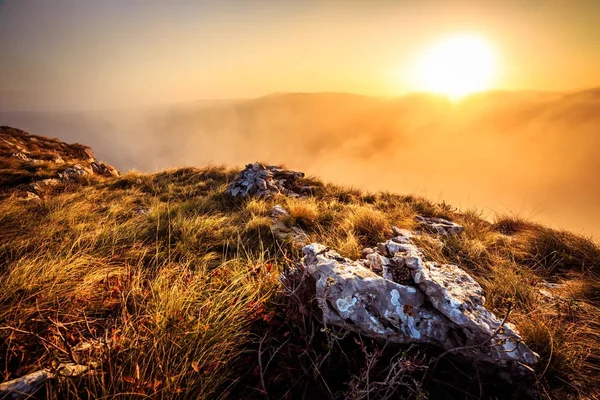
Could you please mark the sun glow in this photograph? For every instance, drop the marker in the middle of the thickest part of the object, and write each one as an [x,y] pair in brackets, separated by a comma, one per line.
[456,66]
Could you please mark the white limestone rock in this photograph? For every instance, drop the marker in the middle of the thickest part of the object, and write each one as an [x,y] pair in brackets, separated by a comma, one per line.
[264,181]
[444,305]
[460,298]
[439,226]
[352,296]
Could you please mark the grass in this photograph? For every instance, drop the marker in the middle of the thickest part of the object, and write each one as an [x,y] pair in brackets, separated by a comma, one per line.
[177,286]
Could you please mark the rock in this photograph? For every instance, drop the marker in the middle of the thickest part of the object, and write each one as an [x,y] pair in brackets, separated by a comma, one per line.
[101,168]
[413,262]
[278,212]
[393,247]
[31,196]
[261,183]
[376,262]
[21,156]
[75,171]
[367,250]
[439,226]
[44,183]
[405,233]
[264,181]
[456,294]
[382,249]
[283,232]
[352,296]
[411,301]
[89,154]
[552,285]
[299,235]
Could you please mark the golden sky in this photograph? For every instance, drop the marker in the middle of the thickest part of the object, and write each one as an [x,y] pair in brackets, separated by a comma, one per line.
[106,54]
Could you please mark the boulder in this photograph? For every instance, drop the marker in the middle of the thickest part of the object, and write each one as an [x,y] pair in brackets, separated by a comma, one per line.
[353,296]
[404,299]
[460,298]
[102,168]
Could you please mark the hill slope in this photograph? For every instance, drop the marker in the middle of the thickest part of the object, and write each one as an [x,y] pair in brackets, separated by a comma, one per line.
[533,153]
[165,286]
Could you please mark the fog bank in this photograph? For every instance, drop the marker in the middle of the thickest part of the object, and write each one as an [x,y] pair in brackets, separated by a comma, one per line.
[533,154]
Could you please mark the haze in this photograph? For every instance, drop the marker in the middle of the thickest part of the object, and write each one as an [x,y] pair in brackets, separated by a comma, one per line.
[154,84]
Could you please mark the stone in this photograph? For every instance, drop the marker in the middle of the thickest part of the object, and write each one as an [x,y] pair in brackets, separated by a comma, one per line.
[31,196]
[382,249]
[265,181]
[89,154]
[394,247]
[261,184]
[284,232]
[43,184]
[439,226]
[103,169]
[411,301]
[354,297]
[21,156]
[367,250]
[278,211]
[401,232]
[75,171]
[377,261]
[460,298]
[413,262]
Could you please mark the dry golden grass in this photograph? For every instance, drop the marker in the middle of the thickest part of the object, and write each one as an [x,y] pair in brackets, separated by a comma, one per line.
[180,285]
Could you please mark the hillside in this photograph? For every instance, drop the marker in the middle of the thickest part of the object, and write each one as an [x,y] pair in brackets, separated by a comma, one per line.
[196,283]
[532,153]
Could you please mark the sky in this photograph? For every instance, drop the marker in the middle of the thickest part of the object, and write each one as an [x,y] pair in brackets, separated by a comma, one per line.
[84,54]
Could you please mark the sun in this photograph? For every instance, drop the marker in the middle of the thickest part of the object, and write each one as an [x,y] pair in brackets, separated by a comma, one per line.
[456,66]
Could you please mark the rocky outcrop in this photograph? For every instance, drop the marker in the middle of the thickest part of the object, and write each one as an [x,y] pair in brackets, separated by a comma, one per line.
[439,226]
[266,181]
[284,232]
[73,172]
[102,168]
[33,155]
[26,147]
[394,294]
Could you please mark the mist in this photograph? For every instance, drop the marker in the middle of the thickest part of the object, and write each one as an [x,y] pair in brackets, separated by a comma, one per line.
[532,154]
